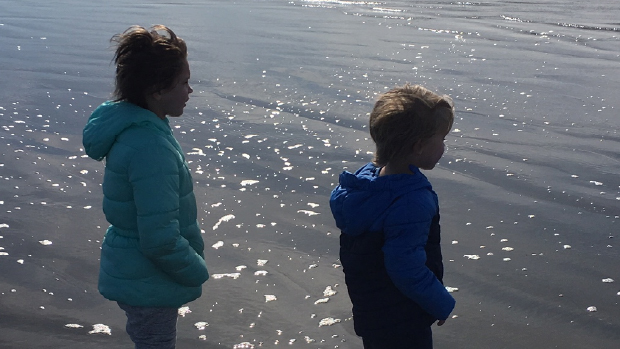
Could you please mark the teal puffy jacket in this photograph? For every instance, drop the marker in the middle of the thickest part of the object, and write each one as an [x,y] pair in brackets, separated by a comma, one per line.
[152,253]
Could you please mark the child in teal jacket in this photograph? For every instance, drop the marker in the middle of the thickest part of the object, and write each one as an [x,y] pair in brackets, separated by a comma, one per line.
[152,259]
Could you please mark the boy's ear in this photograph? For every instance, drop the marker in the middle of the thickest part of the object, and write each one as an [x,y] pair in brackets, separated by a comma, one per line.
[418,147]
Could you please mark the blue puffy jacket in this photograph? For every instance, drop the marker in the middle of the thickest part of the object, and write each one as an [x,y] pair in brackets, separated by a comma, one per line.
[152,253]
[390,250]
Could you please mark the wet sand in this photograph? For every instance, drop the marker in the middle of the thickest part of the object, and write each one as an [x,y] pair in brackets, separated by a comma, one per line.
[529,193]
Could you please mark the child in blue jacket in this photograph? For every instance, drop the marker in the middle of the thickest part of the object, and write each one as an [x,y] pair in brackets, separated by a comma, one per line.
[152,259]
[388,215]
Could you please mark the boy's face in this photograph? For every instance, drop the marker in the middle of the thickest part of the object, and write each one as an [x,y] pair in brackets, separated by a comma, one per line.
[430,151]
[171,101]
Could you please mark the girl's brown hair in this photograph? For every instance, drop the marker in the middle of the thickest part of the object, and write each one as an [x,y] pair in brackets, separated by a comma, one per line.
[405,115]
[146,61]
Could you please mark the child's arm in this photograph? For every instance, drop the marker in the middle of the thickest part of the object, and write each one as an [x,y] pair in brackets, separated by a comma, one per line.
[405,261]
[154,176]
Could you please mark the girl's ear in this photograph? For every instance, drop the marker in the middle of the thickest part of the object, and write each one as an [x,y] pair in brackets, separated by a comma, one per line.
[156,95]
[153,93]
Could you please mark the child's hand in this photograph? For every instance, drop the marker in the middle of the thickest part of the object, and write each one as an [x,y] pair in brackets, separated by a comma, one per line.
[441,322]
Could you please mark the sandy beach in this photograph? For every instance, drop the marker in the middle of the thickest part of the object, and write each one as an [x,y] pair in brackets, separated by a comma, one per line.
[529,187]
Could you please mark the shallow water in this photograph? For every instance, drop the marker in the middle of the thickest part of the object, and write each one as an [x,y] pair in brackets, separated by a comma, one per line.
[530,183]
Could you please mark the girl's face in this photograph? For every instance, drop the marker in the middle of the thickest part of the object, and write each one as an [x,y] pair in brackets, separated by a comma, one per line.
[171,101]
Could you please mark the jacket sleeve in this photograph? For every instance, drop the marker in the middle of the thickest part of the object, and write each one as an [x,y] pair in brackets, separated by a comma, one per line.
[406,235]
[154,176]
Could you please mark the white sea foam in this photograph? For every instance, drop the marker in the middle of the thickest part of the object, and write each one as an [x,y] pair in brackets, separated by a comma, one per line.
[328,321]
[196,151]
[73,326]
[308,212]
[228,275]
[101,328]
[201,325]
[184,311]
[329,291]
[225,218]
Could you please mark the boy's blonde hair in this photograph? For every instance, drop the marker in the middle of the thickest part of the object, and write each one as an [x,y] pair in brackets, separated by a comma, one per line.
[405,115]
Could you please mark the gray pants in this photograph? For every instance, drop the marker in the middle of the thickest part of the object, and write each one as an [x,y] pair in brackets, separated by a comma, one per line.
[151,327]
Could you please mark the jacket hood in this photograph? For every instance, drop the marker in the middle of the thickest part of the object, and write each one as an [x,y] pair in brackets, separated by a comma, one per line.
[361,198]
[109,120]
